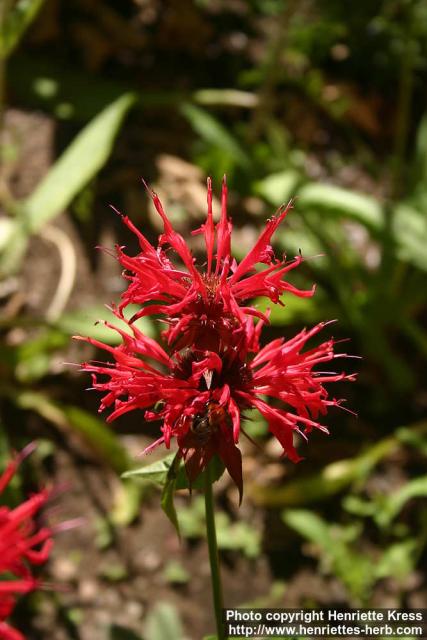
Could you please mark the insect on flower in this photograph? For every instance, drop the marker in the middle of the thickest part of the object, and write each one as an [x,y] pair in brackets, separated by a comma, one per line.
[205,425]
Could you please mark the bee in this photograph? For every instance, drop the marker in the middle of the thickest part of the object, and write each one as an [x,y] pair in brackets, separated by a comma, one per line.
[204,425]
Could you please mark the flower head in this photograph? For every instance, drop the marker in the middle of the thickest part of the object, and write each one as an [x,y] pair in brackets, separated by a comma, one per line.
[209,367]
[204,308]
[22,544]
[200,396]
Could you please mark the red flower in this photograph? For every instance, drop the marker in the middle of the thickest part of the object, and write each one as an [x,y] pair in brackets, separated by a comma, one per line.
[22,544]
[204,310]
[200,395]
[212,368]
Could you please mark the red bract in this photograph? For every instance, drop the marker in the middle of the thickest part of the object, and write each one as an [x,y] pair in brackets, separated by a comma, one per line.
[22,544]
[205,309]
[200,395]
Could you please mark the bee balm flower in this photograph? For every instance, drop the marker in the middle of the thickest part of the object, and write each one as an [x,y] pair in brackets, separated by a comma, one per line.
[210,367]
[22,544]
[207,309]
[200,396]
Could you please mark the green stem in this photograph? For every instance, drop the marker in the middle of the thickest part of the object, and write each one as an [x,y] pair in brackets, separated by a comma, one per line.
[213,554]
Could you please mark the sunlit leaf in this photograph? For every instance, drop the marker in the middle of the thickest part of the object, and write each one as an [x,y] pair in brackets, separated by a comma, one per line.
[71,172]
[79,163]
[365,209]
[278,188]
[410,232]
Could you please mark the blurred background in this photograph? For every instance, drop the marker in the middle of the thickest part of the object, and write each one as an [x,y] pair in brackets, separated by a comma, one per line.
[323,101]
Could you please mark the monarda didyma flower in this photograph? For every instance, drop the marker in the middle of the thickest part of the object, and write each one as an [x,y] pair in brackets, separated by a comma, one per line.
[22,544]
[211,368]
[207,308]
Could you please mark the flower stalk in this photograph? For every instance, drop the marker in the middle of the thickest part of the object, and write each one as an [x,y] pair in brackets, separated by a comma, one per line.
[213,554]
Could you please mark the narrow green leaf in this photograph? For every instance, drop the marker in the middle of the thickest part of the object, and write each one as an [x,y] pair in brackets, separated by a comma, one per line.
[278,188]
[77,166]
[79,163]
[410,232]
[231,97]
[212,131]
[360,207]
[18,17]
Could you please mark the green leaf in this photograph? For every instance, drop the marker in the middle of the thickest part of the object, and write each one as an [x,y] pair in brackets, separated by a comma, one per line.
[231,97]
[158,472]
[395,502]
[278,188]
[167,502]
[398,560]
[77,166]
[164,623]
[413,438]
[360,207]
[19,15]
[213,132]
[410,232]
[309,525]
[79,163]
